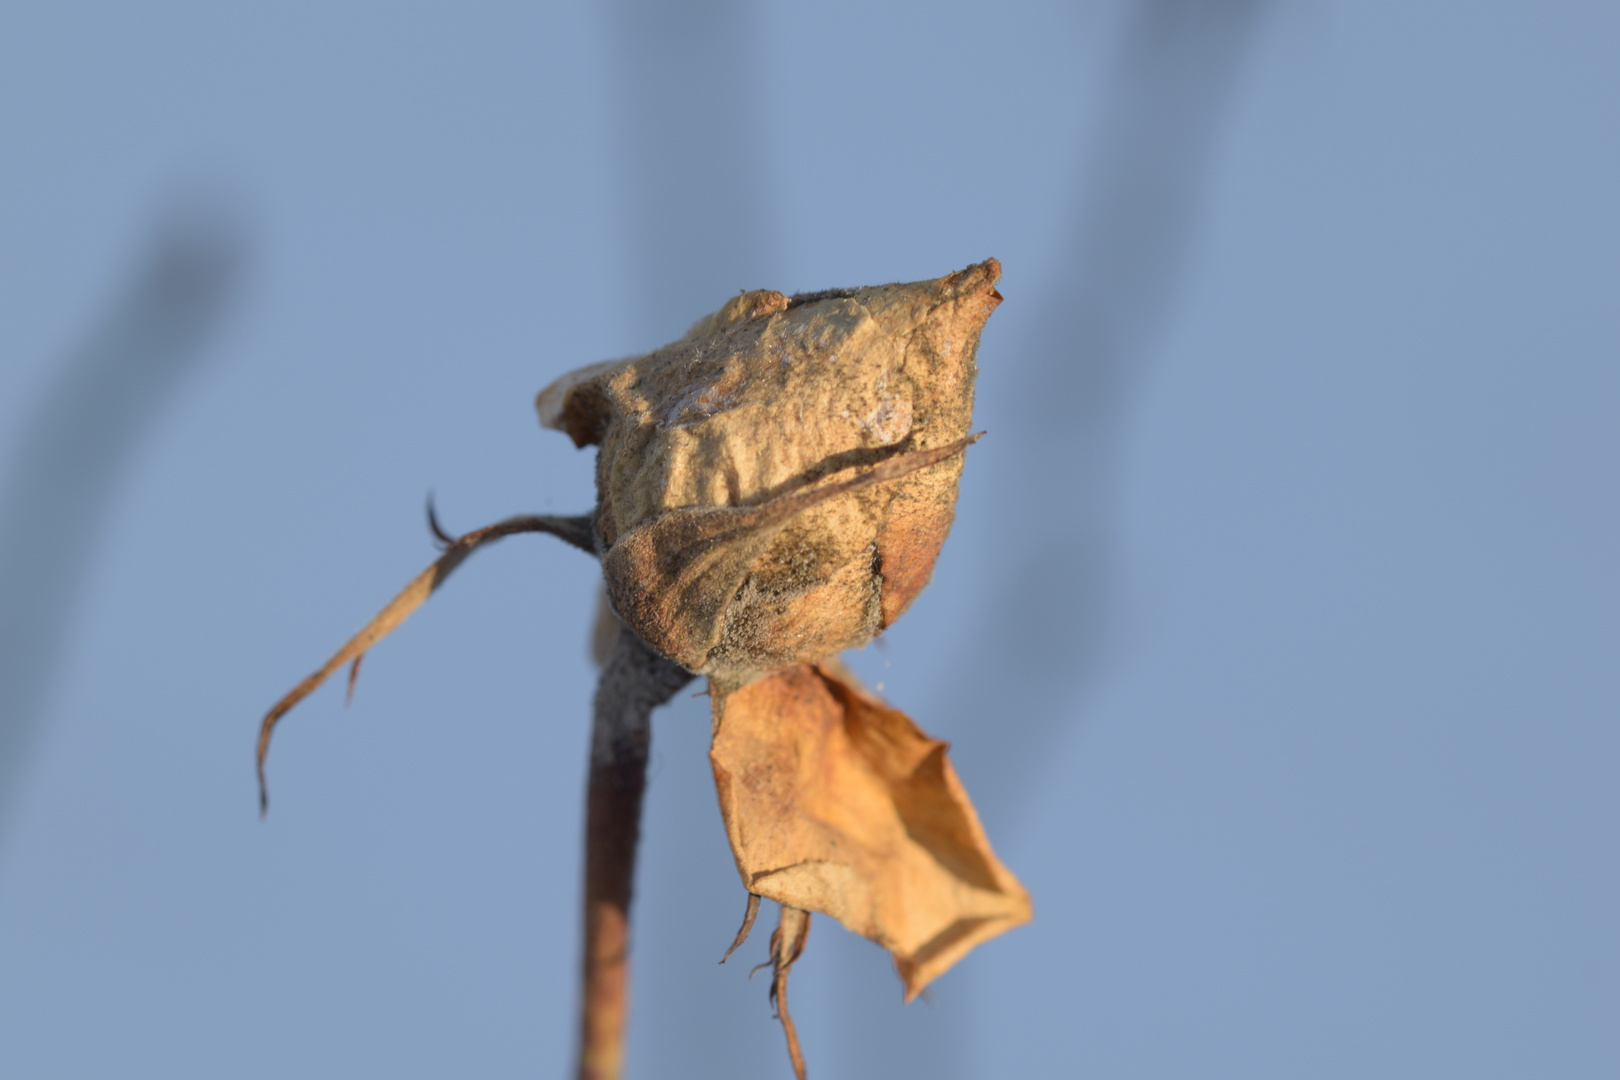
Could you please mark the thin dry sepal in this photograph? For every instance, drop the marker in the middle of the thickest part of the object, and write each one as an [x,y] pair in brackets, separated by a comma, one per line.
[749,916]
[787,945]
[834,802]
[575,530]
[677,578]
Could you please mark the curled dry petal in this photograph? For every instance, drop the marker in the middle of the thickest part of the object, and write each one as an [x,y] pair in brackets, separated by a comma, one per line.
[836,803]
[733,467]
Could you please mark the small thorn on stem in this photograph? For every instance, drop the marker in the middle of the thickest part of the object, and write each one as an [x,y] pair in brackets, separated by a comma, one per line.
[444,539]
[354,673]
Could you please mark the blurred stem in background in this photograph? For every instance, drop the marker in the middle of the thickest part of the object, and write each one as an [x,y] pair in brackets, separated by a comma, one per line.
[1127,248]
[1034,648]
[692,153]
[691,161]
[76,446]
[697,200]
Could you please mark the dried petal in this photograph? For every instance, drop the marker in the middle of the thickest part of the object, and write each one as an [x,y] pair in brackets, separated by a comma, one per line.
[836,803]
[767,398]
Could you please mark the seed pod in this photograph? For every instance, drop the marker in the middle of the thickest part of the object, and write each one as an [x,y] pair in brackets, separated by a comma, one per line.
[774,487]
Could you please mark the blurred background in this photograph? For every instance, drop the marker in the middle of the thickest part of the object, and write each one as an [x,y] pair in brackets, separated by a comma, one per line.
[1276,639]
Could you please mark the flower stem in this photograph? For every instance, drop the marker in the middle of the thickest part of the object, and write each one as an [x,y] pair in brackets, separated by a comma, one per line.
[635,680]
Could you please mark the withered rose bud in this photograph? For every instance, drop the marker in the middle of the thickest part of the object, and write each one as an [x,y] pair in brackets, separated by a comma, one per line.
[774,487]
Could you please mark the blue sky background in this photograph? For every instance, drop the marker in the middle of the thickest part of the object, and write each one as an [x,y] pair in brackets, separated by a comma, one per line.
[1277,638]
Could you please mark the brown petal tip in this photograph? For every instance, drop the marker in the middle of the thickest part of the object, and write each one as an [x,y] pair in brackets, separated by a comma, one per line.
[575,403]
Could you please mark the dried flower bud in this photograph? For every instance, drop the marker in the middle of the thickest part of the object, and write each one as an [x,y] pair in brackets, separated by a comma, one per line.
[772,489]
[775,487]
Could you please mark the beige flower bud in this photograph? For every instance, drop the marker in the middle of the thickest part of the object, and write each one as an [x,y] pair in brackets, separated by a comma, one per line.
[775,486]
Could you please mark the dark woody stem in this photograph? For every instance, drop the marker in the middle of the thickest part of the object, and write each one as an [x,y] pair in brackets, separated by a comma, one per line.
[635,680]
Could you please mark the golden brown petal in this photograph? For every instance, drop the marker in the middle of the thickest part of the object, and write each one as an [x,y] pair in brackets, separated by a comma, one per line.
[836,803]
[575,403]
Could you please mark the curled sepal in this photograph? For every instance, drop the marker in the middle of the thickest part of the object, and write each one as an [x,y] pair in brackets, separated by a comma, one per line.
[749,916]
[575,530]
[836,803]
[787,945]
[688,581]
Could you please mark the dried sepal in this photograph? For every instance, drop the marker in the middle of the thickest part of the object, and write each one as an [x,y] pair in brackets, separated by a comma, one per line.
[787,945]
[574,530]
[835,802]
[774,397]
[749,915]
[692,578]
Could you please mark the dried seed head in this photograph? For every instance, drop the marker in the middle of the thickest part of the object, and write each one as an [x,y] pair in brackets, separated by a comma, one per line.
[775,486]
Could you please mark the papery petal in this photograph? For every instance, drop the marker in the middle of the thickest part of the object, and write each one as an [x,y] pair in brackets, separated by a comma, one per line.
[835,802]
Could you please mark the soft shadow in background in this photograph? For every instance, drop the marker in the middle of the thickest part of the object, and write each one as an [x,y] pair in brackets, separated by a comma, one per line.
[1275,636]
[1065,398]
[698,203]
[81,438]
[692,175]
[1058,398]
